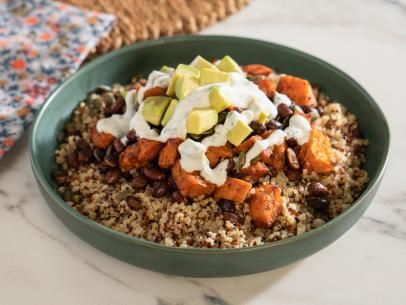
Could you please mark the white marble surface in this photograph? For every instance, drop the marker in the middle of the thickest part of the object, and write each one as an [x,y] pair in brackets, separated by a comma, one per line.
[41,262]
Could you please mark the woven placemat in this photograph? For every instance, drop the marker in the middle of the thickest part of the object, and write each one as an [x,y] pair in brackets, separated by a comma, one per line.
[149,19]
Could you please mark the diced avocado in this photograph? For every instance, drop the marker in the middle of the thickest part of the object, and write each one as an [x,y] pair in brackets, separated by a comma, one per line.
[262,118]
[208,76]
[217,100]
[154,108]
[180,71]
[227,64]
[185,85]
[238,133]
[169,112]
[200,120]
[200,63]
[166,69]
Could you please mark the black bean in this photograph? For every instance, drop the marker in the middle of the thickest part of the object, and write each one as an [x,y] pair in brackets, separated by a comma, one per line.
[293,175]
[317,189]
[112,176]
[230,165]
[291,142]
[273,125]
[160,189]
[231,217]
[153,174]
[118,106]
[110,161]
[318,203]
[272,171]
[82,144]
[226,205]
[293,162]
[306,109]
[177,196]
[257,127]
[99,154]
[85,155]
[131,136]
[284,111]
[73,161]
[118,145]
[134,202]
[138,182]
[60,177]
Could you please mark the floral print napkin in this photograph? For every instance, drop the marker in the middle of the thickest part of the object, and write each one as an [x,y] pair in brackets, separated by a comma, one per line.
[41,43]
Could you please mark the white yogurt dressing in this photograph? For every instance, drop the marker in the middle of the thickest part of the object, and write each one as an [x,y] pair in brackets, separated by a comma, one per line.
[243,94]
[193,158]
[219,138]
[299,129]
[276,138]
[117,124]
[280,98]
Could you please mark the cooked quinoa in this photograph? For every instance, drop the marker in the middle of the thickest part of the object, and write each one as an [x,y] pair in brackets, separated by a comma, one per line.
[201,222]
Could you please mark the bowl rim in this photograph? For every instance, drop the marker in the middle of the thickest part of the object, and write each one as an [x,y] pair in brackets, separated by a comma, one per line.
[39,174]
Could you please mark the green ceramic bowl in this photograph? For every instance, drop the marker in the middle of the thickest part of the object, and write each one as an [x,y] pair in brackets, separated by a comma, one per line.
[120,66]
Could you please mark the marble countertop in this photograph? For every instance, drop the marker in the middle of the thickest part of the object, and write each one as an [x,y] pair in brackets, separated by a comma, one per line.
[41,262]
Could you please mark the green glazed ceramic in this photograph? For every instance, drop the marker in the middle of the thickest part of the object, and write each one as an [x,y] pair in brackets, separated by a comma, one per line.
[141,58]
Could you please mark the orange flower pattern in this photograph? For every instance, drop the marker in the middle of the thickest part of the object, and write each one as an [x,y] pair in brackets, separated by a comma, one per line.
[37,52]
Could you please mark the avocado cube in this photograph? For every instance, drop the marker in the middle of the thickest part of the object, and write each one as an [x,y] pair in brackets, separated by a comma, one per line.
[154,108]
[217,100]
[238,133]
[185,85]
[180,71]
[201,120]
[209,76]
[227,64]
[200,63]
[166,69]
[262,118]
[169,112]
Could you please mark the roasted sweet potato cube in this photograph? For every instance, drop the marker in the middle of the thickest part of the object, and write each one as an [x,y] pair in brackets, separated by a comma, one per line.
[216,153]
[266,154]
[267,85]
[317,154]
[154,91]
[247,144]
[191,185]
[101,139]
[297,89]
[265,205]
[278,157]
[149,149]
[257,70]
[169,153]
[233,189]
[254,171]
[128,159]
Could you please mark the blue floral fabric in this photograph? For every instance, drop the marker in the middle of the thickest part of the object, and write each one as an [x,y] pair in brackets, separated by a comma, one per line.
[41,43]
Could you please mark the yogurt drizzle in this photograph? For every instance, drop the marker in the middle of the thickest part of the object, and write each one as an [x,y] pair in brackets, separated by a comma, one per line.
[242,92]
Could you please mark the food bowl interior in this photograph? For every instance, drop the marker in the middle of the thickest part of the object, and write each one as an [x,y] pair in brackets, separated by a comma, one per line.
[142,58]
